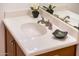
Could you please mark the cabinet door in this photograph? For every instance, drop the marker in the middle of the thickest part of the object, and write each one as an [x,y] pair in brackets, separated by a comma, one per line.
[19,51]
[10,43]
[11,47]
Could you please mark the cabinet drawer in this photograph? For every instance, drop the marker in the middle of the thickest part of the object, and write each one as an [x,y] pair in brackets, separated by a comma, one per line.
[10,44]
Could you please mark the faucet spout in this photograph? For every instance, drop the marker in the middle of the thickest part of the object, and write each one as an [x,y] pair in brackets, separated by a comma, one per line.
[67,17]
[42,21]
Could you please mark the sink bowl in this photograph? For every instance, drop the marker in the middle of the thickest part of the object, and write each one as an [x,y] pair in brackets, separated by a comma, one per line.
[33,29]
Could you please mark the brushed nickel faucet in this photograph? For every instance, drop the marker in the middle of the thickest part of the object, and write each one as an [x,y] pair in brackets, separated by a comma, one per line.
[65,19]
[42,21]
[47,23]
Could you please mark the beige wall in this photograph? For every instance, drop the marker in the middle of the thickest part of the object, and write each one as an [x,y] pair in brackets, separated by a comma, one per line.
[69,6]
[59,6]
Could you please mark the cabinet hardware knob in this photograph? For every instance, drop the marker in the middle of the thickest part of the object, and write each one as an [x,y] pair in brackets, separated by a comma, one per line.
[12,42]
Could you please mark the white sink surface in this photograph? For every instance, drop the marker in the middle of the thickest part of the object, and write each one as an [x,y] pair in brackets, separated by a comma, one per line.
[33,29]
[41,39]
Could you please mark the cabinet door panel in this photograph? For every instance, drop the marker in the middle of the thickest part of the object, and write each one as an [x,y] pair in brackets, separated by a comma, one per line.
[19,51]
[12,48]
[10,44]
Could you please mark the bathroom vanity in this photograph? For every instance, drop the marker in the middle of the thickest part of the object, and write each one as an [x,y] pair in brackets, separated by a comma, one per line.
[13,49]
[25,37]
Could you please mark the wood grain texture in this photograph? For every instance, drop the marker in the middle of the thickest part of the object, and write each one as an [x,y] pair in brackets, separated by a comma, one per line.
[68,51]
[12,48]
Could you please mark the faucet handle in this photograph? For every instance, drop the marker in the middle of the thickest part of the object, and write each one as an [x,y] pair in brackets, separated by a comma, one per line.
[47,23]
[38,22]
[42,18]
[42,21]
[68,17]
[50,26]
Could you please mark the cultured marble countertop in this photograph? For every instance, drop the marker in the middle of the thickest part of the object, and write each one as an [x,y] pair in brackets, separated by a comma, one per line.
[38,45]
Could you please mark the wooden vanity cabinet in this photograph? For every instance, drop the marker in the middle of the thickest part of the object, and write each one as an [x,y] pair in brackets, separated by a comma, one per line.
[19,51]
[12,48]
[68,51]
[9,44]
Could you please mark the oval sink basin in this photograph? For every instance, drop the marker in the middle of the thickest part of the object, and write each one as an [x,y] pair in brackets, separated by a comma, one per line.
[33,29]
